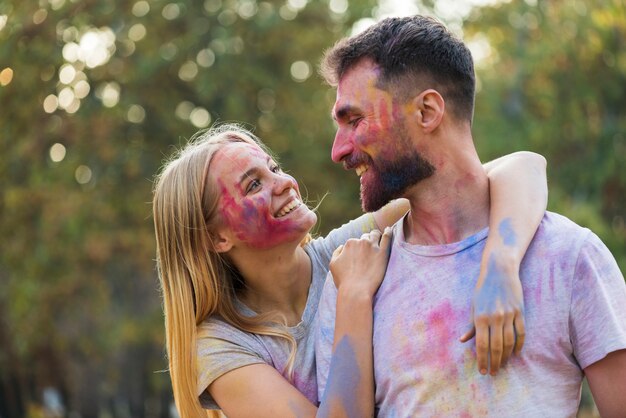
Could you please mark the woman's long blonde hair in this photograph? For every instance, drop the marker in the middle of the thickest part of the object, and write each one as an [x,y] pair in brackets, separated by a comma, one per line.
[196,281]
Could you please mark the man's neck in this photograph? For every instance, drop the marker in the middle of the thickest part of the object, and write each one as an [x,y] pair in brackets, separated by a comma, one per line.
[451,205]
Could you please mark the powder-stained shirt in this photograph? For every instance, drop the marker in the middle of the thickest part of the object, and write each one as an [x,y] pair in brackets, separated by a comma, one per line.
[222,347]
[575,313]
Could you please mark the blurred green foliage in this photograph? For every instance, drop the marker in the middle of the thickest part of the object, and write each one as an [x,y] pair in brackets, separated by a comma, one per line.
[94,94]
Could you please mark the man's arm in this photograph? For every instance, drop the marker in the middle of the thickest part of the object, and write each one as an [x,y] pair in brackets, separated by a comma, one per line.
[597,325]
[607,380]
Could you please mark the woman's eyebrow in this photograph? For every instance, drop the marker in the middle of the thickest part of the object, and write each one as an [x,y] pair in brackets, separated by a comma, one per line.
[250,172]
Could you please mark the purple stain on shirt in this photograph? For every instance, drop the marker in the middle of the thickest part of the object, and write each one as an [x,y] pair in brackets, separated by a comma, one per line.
[343,379]
[507,233]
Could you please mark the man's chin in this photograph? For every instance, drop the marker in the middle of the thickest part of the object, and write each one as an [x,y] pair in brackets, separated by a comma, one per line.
[371,204]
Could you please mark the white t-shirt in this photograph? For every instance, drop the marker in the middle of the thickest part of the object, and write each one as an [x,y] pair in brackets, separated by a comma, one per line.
[575,302]
[222,347]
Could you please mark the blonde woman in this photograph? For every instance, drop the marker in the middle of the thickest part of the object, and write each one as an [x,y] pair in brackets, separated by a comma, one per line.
[241,279]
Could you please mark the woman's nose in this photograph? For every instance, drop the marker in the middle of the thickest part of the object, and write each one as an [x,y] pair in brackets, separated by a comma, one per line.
[283,182]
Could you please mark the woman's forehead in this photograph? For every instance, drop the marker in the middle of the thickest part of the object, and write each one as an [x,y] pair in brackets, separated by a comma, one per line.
[242,149]
[239,154]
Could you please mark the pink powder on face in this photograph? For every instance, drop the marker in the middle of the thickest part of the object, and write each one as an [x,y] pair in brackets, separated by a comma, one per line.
[250,216]
[251,221]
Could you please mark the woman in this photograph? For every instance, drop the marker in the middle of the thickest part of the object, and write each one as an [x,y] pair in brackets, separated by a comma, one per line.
[241,278]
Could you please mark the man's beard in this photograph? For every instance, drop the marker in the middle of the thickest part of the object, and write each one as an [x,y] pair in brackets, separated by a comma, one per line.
[390,179]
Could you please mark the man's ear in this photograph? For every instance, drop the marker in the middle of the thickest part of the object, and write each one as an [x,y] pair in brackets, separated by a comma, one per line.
[222,242]
[429,107]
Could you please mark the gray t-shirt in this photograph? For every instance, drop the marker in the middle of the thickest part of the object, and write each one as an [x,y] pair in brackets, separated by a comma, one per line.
[222,347]
[575,303]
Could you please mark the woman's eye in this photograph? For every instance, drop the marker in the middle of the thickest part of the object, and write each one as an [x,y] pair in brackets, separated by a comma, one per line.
[275,169]
[253,185]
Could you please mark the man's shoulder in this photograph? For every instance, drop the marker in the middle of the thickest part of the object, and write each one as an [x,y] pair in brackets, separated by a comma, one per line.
[557,225]
[558,237]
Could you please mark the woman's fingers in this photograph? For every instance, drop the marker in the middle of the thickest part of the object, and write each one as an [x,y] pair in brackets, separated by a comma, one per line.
[385,239]
[482,343]
[498,336]
[337,251]
[520,332]
[468,335]
[495,343]
[508,337]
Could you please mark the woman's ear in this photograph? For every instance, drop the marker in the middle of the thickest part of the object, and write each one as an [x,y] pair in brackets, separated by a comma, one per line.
[429,107]
[221,242]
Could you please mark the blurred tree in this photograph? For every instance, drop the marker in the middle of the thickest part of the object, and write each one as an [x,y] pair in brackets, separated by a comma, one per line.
[552,77]
[93,96]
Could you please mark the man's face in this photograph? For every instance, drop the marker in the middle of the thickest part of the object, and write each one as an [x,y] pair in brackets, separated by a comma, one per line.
[373,138]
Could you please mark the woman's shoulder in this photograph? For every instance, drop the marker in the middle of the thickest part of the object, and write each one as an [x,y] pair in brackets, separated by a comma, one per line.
[338,236]
[215,326]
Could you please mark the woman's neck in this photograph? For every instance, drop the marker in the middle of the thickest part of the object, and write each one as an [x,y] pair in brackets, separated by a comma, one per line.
[276,281]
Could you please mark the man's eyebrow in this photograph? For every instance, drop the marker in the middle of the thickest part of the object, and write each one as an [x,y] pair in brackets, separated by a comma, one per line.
[342,111]
[253,170]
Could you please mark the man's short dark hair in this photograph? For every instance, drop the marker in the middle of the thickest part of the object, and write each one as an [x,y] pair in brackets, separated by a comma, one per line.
[412,53]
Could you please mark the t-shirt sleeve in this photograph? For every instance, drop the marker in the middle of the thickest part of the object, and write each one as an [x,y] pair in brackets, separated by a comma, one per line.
[220,349]
[598,305]
[324,247]
[325,333]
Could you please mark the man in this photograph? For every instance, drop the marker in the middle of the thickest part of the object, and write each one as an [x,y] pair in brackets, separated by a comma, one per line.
[405,95]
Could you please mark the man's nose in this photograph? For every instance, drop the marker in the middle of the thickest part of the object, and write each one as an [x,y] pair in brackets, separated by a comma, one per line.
[342,146]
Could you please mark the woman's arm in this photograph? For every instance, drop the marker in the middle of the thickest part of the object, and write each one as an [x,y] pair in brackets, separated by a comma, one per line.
[519,195]
[261,391]
[391,213]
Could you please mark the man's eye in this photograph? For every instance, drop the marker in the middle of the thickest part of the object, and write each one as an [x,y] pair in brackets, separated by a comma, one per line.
[253,185]
[275,169]
[354,121]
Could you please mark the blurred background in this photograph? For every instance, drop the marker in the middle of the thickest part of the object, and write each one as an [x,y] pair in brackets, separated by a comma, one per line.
[94,94]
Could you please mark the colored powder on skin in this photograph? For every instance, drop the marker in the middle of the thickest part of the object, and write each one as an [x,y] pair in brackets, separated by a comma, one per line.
[343,379]
[298,411]
[507,233]
[493,292]
[250,220]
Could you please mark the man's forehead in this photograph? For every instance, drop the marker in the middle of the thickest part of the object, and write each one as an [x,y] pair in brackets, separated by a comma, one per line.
[357,87]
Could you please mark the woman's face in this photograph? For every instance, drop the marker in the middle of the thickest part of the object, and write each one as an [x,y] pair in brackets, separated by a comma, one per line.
[259,203]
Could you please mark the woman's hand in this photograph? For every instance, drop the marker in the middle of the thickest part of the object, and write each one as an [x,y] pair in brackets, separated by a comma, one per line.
[360,264]
[497,315]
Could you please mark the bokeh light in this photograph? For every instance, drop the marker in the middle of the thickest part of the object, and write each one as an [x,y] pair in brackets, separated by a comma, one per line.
[136,114]
[57,152]
[50,103]
[183,110]
[171,11]
[188,71]
[109,93]
[300,71]
[96,47]
[205,58]
[266,100]
[200,117]
[40,16]
[137,32]
[141,8]
[6,75]
[83,174]
[67,72]
[338,6]
[212,6]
